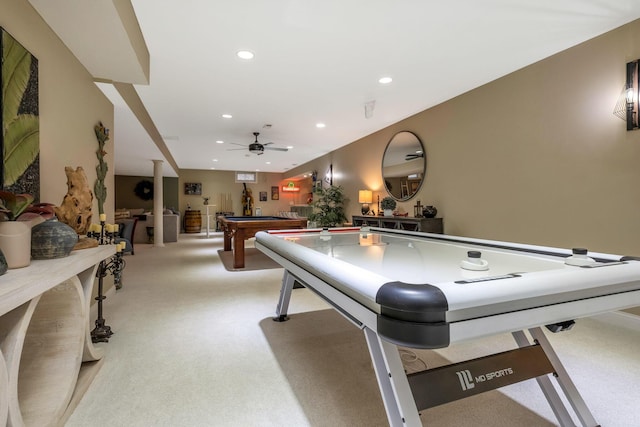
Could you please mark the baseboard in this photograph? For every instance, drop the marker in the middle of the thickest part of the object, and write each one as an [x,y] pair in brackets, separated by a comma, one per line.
[620,318]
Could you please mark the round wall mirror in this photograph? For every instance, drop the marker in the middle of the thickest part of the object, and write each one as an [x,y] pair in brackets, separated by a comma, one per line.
[403,166]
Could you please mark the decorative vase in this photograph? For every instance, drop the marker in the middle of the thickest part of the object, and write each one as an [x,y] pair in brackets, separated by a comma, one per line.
[388,212]
[429,212]
[3,264]
[15,243]
[52,239]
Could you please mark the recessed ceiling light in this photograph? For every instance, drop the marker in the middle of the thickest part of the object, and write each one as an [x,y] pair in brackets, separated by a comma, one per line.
[385,80]
[289,147]
[215,160]
[320,125]
[268,163]
[219,142]
[245,54]
[226,116]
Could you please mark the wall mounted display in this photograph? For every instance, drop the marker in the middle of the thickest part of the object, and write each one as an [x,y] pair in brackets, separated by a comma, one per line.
[275,193]
[263,196]
[193,188]
[20,139]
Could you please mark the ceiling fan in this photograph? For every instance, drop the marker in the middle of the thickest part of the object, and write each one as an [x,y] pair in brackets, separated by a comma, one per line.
[412,156]
[258,148]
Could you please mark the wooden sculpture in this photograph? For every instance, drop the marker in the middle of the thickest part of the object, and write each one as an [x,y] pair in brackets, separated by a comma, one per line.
[75,210]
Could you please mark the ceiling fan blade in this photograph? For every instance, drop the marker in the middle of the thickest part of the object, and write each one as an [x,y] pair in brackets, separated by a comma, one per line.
[276,149]
[242,145]
[236,149]
[268,143]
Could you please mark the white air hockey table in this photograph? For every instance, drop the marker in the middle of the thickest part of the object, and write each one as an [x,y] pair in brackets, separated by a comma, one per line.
[423,290]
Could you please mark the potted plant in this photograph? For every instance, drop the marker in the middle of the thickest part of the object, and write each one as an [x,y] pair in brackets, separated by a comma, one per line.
[328,209]
[15,235]
[388,204]
[12,205]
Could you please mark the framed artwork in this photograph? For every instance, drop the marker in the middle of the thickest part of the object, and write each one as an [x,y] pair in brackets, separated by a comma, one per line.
[317,186]
[20,140]
[263,196]
[275,193]
[328,176]
[193,188]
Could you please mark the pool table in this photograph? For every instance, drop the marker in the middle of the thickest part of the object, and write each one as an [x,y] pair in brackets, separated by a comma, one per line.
[427,291]
[240,228]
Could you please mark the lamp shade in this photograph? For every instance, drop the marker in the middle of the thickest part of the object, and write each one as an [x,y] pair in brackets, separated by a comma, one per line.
[365,196]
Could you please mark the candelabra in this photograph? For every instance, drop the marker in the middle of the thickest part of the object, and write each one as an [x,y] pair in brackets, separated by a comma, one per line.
[105,234]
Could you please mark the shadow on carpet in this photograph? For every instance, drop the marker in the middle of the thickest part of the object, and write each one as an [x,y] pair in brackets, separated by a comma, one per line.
[326,362]
[253,260]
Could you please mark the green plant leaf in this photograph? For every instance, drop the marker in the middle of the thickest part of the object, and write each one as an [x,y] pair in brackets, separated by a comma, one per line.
[14,204]
[329,207]
[16,65]
[21,146]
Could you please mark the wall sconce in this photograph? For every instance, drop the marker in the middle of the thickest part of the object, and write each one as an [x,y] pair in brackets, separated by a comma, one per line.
[365,197]
[627,106]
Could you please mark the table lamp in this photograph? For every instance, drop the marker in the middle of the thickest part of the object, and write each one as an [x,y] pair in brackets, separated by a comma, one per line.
[365,197]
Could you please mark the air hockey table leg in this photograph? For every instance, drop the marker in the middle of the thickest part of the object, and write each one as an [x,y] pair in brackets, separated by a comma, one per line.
[550,393]
[392,381]
[568,387]
[288,281]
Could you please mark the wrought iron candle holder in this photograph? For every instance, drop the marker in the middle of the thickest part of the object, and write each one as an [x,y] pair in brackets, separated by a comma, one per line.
[105,234]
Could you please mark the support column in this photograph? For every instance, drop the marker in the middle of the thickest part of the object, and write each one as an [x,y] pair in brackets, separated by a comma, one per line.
[158,205]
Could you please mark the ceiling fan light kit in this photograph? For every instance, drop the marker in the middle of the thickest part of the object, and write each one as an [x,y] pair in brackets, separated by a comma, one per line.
[257,148]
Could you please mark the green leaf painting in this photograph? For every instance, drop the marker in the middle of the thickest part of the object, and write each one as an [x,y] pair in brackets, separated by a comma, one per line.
[21,146]
[20,126]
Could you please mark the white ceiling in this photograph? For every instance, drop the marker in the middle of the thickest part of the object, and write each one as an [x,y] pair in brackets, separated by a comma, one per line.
[315,61]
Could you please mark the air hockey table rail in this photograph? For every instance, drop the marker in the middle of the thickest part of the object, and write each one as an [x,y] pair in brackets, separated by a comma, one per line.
[430,290]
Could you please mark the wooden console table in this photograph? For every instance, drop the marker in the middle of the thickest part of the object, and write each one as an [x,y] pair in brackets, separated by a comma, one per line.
[425,225]
[45,336]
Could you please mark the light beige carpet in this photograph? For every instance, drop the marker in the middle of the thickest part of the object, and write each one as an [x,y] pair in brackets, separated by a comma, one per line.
[326,362]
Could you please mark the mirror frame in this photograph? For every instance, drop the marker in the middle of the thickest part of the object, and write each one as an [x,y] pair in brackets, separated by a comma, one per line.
[389,151]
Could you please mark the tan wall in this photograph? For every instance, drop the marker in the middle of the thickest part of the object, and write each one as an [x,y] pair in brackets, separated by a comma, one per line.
[70,106]
[536,156]
[219,184]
